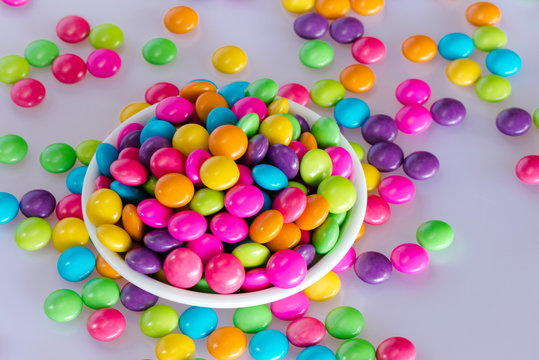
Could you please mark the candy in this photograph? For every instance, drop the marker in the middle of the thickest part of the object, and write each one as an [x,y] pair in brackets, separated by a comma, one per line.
[136,299]
[315,213]
[9,207]
[160,240]
[413,91]
[291,307]
[291,203]
[325,236]
[13,68]
[378,211]
[143,260]
[103,63]
[368,50]
[493,88]
[207,102]
[295,92]
[76,263]
[160,91]
[180,19]
[68,68]
[350,113]
[106,324]
[186,225]
[114,237]
[62,305]
[198,322]
[344,322]
[396,189]
[315,166]
[372,176]
[286,269]
[316,54]
[244,200]
[355,349]
[226,343]
[298,6]
[366,7]
[483,13]
[15,3]
[513,121]
[324,289]
[311,26]
[233,91]
[72,29]
[409,258]
[27,92]
[252,319]
[69,232]
[488,38]
[448,111]
[176,110]
[106,36]
[288,237]
[219,173]
[207,201]
[419,48]
[346,262]
[85,150]
[104,207]
[332,9]
[229,59]
[57,158]
[463,72]
[435,235]
[396,348]
[339,192]
[69,206]
[41,53]
[255,279]
[268,344]
[229,141]
[250,104]
[32,234]
[192,90]
[175,347]
[266,226]
[37,203]
[385,156]
[305,331]
[318,352]
[379,128]
[225,273]
[327,92]
[503,62]
[229,228]
[13,149]
[100,293]
[413,119]
[455,46]
[346,30]
[373,267]
[264,89]
[527,169]
[159,51]
[158,321]
[357,78]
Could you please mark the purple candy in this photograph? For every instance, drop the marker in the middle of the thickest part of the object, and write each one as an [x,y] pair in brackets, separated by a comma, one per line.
[379,128]
[385,156]
[131,139]
[513,121]
[373,267]
[256,150]
[284,158]
[161,241]
[307,251]
[346,30]
[303,123]
[448,112]
[149,147]
[136,299]
[311,26]
[37,203]
[143,260]
[421,165]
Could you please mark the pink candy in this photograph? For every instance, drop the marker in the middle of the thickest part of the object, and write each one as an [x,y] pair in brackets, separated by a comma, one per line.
[183,268]
[295,92]
[69,206]
[291,203]
[106,324]
[103,63]
[102,182]
[193,163]
[27,92]
[187,225]
[255,279]
[126,130]
[396,189]
[298,148]
[527,169]
[413,119]
[229,228]
[305,331]
[167,160]
[175,110]
[378,211]
[160,91]
[129,172]
[341,161]
[396,348]
[286,269]
[154,214]
[409,258]
[68,68]
[72,29]
[129,153]
[346,262]
[249,105]
[244,200]
[206,246]
[246,177]
[368,50]
[15,3]
[413,91]
[225,274]
[291,307]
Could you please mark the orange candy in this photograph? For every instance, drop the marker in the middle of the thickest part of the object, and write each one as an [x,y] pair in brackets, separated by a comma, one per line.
[180,19]
[315,213]
[357,78]
[132,223]
[483,13]
[208,101]
[229,141]
[174,190]
[332,9]
[288,237]
[193,90]
[367,7]
[361,232]
[266,226]
[308,140]
[419,48]
[104,269]
[226,343]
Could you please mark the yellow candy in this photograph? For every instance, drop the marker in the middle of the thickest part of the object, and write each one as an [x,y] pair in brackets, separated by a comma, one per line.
[69,232]
[219,172]
[463,72]
[113,237]
[104,207]
[278,106]
[190,137]
[278,129]
[372,176]
[229,59]
[298,6]
[175,347]
[324,289]
[132,109]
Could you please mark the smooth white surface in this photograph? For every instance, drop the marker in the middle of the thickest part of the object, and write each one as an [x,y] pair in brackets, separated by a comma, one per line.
[477,299]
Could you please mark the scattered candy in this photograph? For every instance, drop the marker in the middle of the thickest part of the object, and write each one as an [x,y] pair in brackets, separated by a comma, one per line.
[368,50]
[252,319]
[41,53]
[421,165]
[483,13]
[409,258]
[448,112]
[32,234]
[229,59]
[346,30]
[158,321]
[27,92]
[344,322]
[268,344]
[396,189]
[13,149]
[455,46]
[103,63]
[513,121]
[357,78]
[72,29]
[197,322]
[419,48]
[226,343]
[435,235]
[488,38]
[305,331]
[527,169]
[106,324]
[106,36]
[413,91]
[316,54]
[13,68]
[332,9]
[311,26]
[76,263]
[373,267]
[355,349]
[175,347]
[493,88]
[131,296]
[180,19]
[62,305]
[68,68]
[318,352]
[298,6]
[100,293]
[463,72]
[503,62]
[159,51]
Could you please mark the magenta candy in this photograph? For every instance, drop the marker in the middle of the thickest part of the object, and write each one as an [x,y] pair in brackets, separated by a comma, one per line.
[27,92]
[250,104]
[69,206]
[527,169]
[378,211]
[207,246]
[193,163]
[106,324]
[68,68]
[291,307]
[225,274]
[255,279]
[103,63]
[102,182]
[160,91]
[341,161]
[305,331]
[291,203]
[396,189]
[153,213]
[187,225]
[126,130]
[131,153]
[72,29]
[244,200]
[175,110]
[346,262]
[305,237]
[229,228]
[286,269]
[298,148]
[413,91]
[183,268]
[246,177]
[368,50]
[413,119]
[295,92]
[409,258]
[396,348]
[167,160]
[129,172]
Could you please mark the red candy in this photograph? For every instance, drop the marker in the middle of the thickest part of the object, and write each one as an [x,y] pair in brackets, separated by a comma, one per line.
[27,92]
[68,68]
[160,91]
[69,206]
[378,211]
[527,169]
[396,348]
[72,29]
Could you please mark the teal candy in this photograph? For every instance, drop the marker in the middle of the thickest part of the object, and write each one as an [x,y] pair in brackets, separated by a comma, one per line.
[130,194]
[316,352]
[351,113]
[198,322]
[268,344]
[326,132]
[269,177]
[105,155]
[76,263]
[157,128]
[455,46]
[233,91]
[9,207]
[220,116]
[75,179]
[503,62]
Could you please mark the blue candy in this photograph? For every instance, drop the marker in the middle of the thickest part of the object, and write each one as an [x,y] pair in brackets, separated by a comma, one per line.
[9,207]
[220,116]
[503,62]
[75,179]
[198,322]
[351,113]
[76,263]
[105,155]
[269,177]
[268,344]
[233,91]
[157,128]
[455,46]
[131,194]
[316,352]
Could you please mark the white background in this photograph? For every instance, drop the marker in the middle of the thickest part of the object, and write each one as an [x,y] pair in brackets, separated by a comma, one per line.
[477,300]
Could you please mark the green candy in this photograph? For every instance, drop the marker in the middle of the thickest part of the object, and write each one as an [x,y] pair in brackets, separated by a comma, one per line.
[41,53]
[327,92]
[13,68]
[249,124]
[326,236]
[13,149]
[435,235]
[536,117]
[296,127]
[344,322]
[252,319]
[493,88]
[264,89]
[202,286]
[299,186]
[326,132]
[100,293]
[86,150]
[339,218]
[58,158]
[360,153]
[355,349]
[149,185]
[158,321]
[33,233]
[106,36]
[62,305]
[316,54]
[339,192]
[207,201]
[252,254]
[159,51]
[488,38]
[315,166]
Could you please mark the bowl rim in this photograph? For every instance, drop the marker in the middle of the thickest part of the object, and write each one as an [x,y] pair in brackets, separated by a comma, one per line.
[351,228]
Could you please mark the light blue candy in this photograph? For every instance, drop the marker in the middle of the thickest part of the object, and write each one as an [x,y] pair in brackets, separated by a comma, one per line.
[198,322]
[76,263]
[131,194]
[220,116]
[75,179]
[157,128]
[206,80]
[268,344]
[503,62]
[316,352]
[351,113]
[105,155]
[455,46]
[9,207]
[269,177]
[233,91]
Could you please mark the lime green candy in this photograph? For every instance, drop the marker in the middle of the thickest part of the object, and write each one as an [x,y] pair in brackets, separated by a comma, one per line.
[360,153]
[355,349]
[207,201]
[159,51]
[435,235]
[493,88]
[41,53]
[249,124]
[58,158]
[299,186]
[536,117]
[296,127]
[149,185]
[252,254]
[339,192]
[202,286]
[316,54]
[264,89]
[326,132]
[325,236]
[100,293]
[13,68]
[158,321]
[488,38]
[106,36]
[339,218]
[315,166]
[33,233]
[86,150]
[13,149]
[62,305]
[252,319]
[344,322]
[327,92]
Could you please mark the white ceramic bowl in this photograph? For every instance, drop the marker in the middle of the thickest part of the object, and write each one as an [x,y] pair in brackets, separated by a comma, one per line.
[349,231]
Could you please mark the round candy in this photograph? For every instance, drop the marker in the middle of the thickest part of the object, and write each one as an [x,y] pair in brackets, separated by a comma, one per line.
[192,90]
[305,331]
[136,299]
[106,324]
[318,352]
[226,343]
[233,91]
[350,113]
[372,176]
[285,159]
[103,63]
[488,38]
[324,289]
[513,121]
[396,189]
[68,68]
[187,225]
[86,149]
[41,53]
[158,321]
[288,237]
[269,177]
[409,258]
[379,128]
[180,19]
[493,88]
[346,29]
[174,347]
[332,9]
[368,50]
[37,203]
[357,78]
[421,165]
[114,237]
[129,172]
[100,293]
[160,91]
[264,89]
[455,46]
[295,92]
[190,137]
[229,228]
[339,192]
[160,240]
[341,161]
[159,51]
[367,8]
[503,62]
[435,235]
[413,119]
[286,269]
[315,166]
[104,207]
[325,236]
[316,54]
[244,200]
[72,29]
[193,163]
[58,158]
[32,233]
[143,260]
[198,322]
[448,111]
[396,348]
[174,190]
[207,102]
[268,345]
[62,305]
[413,91]
[13,149]
[355,349]
[298,6]
[13,68]
[175,110]
[224,273]
[373,267]
[207,201]
[527,169]
[378,211]
[229,141]
[250,104]
[9,207]
[346,262]
[266,226]
[291,203]
[69,232]
[106,36]
[291,307]
[463,72]
[27,92]
[252,319]
[327,92]
[219,173]
[311,26]
[419,48]
[483,13]
[229,59]
[255,279]
[344,322]
[385,156]
[315,212]
[76,263]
